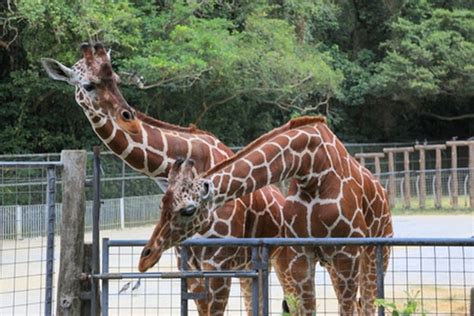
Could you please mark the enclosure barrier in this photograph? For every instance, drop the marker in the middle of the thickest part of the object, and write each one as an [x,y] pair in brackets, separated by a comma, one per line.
[449,267]
[12,279]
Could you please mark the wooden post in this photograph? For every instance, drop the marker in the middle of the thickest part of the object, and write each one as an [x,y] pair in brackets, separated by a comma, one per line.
[391,180]
[377,165]
[438,188]
[438,167]
[71,259]
[454,144]
[391,168]
[407,184]
[375,156]
[471,174]
[422,192]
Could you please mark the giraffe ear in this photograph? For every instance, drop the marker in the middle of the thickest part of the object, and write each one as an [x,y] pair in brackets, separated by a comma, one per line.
[162,183]
[58,71]
[206,192]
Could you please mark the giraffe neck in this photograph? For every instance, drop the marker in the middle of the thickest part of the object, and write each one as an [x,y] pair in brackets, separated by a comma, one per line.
[154,149]
[295,153]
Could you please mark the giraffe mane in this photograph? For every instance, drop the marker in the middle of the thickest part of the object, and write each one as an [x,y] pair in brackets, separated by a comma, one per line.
[191,129]
[292,124]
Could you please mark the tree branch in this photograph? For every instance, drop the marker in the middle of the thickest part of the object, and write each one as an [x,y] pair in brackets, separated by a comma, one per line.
[137,80]
[449,118]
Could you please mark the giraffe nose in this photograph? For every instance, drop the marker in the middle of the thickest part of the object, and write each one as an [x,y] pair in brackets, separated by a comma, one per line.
[146,252]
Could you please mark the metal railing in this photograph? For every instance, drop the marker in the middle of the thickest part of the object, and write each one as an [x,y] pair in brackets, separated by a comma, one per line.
[22,264]
[440,270]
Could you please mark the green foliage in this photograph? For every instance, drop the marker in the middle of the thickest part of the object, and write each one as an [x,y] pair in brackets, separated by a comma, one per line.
[408,309]
[292,302]
[240,68]
[430,53]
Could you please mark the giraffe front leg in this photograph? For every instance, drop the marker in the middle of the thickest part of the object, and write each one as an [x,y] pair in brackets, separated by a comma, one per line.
[344,272]
[368,279]
[295,270]
[196,286]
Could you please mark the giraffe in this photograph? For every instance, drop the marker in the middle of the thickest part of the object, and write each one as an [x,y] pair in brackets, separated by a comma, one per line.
[151,146]
[331,195]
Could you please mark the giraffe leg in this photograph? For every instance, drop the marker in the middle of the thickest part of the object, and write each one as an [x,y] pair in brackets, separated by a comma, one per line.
[368,279]
[344,272]
[197,286]
[295,270]
[219,289]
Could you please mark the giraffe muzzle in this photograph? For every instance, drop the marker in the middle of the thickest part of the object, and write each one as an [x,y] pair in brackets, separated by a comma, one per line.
[148,258]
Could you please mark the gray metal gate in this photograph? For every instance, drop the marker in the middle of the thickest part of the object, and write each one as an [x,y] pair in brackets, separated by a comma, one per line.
[16,269]
[450,260]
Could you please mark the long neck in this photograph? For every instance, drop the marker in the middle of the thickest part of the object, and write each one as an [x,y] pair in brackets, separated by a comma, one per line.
[154,149]
[292,154]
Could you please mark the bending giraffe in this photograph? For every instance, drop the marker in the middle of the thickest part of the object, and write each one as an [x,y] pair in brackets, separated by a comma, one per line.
[331,195]
[151,146]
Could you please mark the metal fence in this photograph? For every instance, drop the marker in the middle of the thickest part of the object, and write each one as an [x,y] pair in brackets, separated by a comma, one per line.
[27,267]
[28,221]
[435,274]
[446,191]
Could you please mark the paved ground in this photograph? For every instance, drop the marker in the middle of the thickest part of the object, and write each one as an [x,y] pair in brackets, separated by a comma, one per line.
[23,283]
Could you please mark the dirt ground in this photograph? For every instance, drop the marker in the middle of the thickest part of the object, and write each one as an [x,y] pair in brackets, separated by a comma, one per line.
[439,285]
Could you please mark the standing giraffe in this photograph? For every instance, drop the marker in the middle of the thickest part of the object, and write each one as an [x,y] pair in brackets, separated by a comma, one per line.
[331,195]
[151,147]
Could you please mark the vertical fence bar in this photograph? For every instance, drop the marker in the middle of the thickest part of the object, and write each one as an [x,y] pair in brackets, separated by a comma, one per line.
[19,222]
[184,281]
[255,281]
[380,274]
[265,271]
[105,282]
[95,231]
[50,200]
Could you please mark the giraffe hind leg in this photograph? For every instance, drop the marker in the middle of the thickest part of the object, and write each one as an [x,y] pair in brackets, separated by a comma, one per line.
[368,279]
[344,273]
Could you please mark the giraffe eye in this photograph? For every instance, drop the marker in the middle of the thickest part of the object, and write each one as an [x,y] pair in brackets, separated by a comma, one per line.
[188,210]
[89,87]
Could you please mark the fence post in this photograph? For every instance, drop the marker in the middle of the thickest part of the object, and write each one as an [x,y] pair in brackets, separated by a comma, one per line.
[122,212]
[391,179]
[72,236]
[422,196]
[439,194]
[391,169]
[406,166]
[19,222]
[454,174]
[375,156]
[471,174]
[437,188]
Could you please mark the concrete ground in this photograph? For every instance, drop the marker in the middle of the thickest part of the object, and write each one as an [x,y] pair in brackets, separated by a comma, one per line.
[431,275]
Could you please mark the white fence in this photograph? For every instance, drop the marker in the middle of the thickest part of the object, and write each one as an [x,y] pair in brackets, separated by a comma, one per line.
[28,221]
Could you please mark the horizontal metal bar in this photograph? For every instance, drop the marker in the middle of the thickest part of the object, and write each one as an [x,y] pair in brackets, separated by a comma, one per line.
[330,242]
[29,164]
[217,242]
[178,275]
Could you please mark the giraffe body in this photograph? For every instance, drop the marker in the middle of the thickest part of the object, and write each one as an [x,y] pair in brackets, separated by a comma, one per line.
[331,195]
[151,147]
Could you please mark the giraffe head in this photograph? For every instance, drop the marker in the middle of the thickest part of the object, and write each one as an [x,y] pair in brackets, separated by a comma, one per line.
[184,212]
[96,86]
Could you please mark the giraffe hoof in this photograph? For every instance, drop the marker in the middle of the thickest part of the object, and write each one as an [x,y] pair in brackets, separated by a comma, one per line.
[285,307]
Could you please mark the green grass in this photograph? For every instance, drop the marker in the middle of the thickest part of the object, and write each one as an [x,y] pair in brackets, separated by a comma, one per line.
[430,209]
